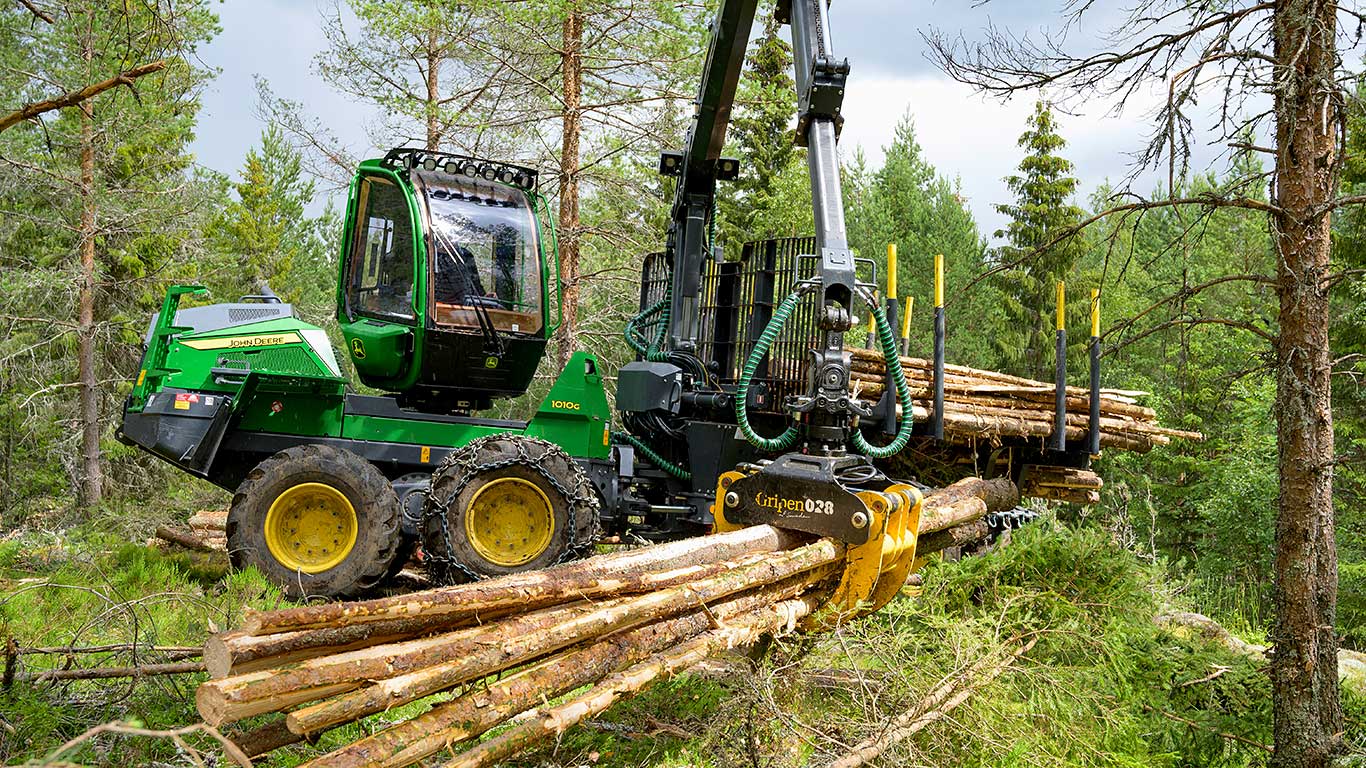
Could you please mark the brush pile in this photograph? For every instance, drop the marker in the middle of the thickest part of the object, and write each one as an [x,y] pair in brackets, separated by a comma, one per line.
[616,622]
[988,405]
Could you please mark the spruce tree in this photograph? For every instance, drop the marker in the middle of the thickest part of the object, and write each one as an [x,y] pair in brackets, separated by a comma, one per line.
[754,206]
[1042,209]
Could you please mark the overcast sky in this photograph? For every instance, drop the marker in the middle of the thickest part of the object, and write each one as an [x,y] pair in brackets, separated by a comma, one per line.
[963,135]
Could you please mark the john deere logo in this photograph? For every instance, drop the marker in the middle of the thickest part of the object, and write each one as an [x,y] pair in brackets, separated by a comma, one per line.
[490,362]
[358,349]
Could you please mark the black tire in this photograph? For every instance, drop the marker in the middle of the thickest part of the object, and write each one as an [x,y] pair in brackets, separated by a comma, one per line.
[377,539]
[452,557]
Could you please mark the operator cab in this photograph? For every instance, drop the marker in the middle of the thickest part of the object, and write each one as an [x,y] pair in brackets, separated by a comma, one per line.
[446,279]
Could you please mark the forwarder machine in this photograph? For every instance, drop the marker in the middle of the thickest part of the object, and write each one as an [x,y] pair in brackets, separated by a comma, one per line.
[737,410]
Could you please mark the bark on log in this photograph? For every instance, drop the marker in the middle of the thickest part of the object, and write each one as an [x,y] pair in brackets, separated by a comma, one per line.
[237,652]
[638,570]
[266,738]
[185,539]
[999,493]
[470,715]
[957,536]
[472,653]
[1084,496]
[217,521]
[558,719]
[961,512]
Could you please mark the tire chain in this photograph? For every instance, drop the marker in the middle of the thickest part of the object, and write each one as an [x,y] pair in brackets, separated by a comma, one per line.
[465,461]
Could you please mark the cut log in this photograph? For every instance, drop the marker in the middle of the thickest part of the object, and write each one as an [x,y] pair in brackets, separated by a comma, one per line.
[955,513]
[470,715]
[957,536]
[1059,477]
[638,570]
[558,719]
[999,494]
[1083,496]
[467,654]
[185,539]
[266,738]
[234,653]
[210,519]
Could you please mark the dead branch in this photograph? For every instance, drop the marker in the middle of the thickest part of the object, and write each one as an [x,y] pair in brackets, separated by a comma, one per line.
[935,706]
[39,12]
[108,673]
[72,98]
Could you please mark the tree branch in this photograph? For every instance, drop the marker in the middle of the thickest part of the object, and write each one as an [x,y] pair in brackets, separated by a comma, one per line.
[39,12]
[72,98]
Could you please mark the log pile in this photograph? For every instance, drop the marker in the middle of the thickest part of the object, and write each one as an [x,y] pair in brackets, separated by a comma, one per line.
[616,623]
[990,405]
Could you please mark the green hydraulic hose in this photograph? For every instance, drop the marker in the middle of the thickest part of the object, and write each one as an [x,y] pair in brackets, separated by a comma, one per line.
[903,392]
[631,331]
[656,353]
[775,325]
[664,464]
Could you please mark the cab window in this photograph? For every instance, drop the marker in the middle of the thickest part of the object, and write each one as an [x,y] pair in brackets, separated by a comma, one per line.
[380,282]
[486,266]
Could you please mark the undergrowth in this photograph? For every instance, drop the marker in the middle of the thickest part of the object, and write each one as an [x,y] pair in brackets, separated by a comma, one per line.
[1103,686]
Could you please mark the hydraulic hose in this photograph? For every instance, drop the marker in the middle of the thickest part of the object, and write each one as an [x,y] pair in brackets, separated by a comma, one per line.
[664,464]
[903,392]
[632,331]
[766,339]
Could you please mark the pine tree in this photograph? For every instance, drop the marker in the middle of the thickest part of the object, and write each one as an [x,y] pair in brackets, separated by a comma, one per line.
[107,210]
[267,229]
[1042,209]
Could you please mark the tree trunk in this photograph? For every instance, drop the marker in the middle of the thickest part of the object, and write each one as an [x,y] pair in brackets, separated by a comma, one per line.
[572,65]
[433,90]
[92,475]
[1306,706]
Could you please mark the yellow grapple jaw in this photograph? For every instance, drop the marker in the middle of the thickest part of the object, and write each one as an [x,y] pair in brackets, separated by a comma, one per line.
[876,565]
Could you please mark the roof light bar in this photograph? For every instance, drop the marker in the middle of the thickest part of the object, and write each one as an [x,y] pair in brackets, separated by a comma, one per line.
[412,158]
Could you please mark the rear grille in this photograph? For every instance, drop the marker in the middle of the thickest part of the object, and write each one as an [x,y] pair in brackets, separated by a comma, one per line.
[286,360]
[252,314]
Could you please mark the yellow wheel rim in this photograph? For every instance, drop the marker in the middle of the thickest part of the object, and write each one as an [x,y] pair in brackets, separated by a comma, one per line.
[311,527]
[509,522]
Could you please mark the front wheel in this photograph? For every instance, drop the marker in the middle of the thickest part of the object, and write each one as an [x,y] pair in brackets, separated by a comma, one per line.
[316,520]
[504,504]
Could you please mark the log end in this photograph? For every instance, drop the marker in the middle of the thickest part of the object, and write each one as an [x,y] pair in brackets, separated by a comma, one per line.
[212,704]
[217,656]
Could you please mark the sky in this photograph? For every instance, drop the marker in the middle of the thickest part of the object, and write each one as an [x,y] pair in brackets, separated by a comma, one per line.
[965,136]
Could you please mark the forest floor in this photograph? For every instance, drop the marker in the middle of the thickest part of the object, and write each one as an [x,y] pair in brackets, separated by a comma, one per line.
[1103,686]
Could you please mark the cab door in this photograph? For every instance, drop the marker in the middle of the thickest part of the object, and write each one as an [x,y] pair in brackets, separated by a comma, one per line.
[381,283]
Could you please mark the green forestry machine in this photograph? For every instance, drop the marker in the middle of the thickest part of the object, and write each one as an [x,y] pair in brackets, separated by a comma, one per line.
[738,409]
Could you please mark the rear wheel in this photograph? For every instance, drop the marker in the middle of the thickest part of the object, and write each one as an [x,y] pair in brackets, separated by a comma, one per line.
[315,520]
[504,504]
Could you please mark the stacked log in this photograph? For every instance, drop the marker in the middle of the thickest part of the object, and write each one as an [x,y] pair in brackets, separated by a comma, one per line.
[981,404]
[616,622]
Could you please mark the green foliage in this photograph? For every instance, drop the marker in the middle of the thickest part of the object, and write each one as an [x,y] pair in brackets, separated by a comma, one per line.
[148,214]
[909,203]
[266,237]
[1042,212]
